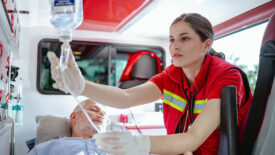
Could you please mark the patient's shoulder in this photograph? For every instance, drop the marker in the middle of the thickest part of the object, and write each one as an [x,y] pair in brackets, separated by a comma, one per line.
[49,144]
[71,145]
[53,146]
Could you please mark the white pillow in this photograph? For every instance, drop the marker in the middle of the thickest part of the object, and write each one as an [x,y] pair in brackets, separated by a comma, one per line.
[52,127]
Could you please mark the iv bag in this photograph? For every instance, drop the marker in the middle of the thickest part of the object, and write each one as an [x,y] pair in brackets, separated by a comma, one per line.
[67,15]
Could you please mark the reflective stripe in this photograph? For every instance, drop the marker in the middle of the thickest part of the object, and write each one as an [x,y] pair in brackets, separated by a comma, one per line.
[174,100]
[199,104]
[201,101]
[179,103]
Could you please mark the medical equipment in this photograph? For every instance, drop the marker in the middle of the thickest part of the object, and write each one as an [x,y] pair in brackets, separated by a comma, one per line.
[66,16]
[17,107]
[64,58]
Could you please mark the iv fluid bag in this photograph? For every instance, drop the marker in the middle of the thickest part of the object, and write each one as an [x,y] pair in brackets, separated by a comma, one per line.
[67,15]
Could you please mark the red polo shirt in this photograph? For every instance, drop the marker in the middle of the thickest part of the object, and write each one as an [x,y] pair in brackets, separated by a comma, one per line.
[214,74]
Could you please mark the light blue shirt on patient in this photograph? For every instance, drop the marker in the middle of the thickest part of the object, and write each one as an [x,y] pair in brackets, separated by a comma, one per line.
[67,146]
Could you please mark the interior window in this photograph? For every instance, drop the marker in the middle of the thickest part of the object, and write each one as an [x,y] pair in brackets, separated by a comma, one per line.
[98,62]
[117,69]
[95,68]
[242,49]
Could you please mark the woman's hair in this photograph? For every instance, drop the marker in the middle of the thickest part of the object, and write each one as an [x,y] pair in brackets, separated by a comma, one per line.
[202,27]
[212,52]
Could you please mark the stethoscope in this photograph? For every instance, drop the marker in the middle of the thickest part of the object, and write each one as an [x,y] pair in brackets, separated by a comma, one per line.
[190,106]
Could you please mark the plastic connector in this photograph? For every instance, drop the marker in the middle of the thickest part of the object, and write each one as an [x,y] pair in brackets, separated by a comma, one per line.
[123,118]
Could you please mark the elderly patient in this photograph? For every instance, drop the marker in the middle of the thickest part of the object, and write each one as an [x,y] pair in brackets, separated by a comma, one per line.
[81,142]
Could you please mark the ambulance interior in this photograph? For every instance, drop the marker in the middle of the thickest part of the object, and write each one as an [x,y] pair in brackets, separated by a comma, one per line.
[111,36]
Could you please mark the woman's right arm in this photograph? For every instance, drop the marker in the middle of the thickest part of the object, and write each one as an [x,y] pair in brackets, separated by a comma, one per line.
[122,98]
[107,95]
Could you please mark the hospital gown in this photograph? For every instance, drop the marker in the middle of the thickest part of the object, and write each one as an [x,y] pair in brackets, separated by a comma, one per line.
[67,146]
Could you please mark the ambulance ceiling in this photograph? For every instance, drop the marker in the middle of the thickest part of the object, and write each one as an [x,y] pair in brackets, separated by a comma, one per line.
[108,15]
[149,18]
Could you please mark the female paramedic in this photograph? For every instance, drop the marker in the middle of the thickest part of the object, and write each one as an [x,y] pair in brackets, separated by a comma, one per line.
[190,88]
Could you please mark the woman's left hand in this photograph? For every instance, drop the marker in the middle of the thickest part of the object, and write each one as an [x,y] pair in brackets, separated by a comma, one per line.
[123,143]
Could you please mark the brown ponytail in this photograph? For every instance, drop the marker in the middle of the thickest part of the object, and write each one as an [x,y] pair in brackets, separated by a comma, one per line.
[212,52]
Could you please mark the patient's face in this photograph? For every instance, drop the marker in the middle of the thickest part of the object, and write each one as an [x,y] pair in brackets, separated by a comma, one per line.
[96,114]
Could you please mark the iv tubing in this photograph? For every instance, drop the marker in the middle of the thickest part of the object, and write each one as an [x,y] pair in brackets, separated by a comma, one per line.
[64,65]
